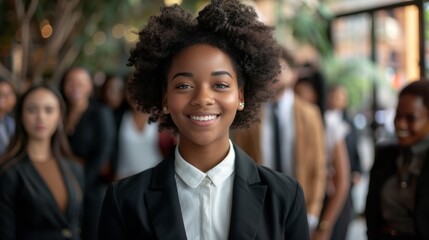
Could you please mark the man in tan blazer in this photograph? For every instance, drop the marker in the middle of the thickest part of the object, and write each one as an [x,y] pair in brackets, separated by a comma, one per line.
[302,146]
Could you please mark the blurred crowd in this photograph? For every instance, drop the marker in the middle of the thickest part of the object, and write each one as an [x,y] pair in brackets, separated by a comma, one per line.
[61,146]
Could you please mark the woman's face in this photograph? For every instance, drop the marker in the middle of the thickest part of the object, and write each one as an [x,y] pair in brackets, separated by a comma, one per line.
[77,86]
[114,92]
[411,120]
[41,114]
[202,94]
[306,92]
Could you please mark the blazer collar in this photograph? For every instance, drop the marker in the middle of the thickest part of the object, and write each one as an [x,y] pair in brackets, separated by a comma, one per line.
[164,207]
[248,193]
[163,202]
[54,213]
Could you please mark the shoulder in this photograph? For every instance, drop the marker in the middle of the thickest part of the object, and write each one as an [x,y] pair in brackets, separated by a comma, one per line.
[387,147]
[130,187]
[277,182]
[385,153]
[75,167]
[97,106]
[307,109]
[10,175]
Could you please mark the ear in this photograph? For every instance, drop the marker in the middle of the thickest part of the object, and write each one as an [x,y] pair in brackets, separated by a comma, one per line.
[165,105]
[240,99]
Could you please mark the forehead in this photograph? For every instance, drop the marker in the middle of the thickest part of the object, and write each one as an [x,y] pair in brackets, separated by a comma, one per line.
[5,87]
[411,103]
[41,97]
[201,56]
[78,74]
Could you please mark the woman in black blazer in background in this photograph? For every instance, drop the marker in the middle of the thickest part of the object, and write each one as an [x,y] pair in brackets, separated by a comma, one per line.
[40,184]
[90,128]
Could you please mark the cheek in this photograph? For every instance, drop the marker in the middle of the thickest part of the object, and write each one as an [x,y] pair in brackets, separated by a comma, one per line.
[421,128]
[28,120]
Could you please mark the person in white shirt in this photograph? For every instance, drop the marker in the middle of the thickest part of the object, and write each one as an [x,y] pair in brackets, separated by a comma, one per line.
[200,77]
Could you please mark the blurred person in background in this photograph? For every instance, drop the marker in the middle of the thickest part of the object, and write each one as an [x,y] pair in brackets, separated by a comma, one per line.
[135,137]
[302,148]
[337,104]
[338,101]
[397,205]
[112,93]
[90,130]
[311,87]
[40,183]
[7,103]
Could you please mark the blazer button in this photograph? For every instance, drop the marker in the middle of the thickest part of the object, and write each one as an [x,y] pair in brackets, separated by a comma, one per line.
[66,233]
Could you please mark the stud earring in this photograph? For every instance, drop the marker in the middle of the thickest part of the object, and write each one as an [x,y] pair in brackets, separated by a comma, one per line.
[241,104]
[165,110]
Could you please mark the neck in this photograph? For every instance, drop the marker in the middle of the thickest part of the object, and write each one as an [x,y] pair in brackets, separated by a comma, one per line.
[204,157]
[79,106]
[39,150]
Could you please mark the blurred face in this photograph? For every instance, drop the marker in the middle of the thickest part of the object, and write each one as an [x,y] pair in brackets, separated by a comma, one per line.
[41,114]
[306,92]
[7,98]
[338,98]
[114,94]
[77,86]
[411,120]
[202,95]
[286,78]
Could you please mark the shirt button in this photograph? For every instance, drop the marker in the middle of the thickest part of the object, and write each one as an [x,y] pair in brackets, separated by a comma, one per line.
[66,233]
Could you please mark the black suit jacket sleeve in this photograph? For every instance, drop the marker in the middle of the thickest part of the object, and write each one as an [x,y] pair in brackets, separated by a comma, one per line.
[8,187]
[295,226]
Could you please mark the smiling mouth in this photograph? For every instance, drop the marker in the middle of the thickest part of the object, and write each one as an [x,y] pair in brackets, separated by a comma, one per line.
[402,134]
[204,118]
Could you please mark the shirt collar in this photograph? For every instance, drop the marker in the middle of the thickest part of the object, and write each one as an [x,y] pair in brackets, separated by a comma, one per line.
[192,176]
[421,146]
[286,100]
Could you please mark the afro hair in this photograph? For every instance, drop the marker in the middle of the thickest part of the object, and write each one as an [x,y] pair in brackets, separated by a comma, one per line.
[228,25]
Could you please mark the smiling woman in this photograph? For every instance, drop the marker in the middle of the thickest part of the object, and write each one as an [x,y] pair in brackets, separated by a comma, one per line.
[397,202]
[199,77]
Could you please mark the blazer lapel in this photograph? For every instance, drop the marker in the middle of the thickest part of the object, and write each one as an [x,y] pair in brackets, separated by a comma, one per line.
[163,202]
[248,198]
[73,191]
[41,190]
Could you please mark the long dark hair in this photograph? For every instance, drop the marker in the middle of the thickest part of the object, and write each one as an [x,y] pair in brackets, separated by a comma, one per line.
[16,149]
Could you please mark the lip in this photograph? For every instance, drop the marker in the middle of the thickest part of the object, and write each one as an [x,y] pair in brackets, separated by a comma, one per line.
[40,128]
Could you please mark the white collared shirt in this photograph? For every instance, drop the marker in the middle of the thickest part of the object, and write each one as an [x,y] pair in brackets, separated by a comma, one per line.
[287,134]
[206,198]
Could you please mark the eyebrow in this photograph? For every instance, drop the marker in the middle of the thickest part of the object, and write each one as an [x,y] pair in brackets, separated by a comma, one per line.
[182,74]
[218,73]
[214,74]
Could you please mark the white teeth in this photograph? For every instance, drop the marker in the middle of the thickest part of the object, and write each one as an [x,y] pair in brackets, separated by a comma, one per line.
[402,133]
[203,118]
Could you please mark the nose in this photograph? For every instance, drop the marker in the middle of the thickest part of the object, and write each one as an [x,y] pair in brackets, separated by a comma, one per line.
[202,96]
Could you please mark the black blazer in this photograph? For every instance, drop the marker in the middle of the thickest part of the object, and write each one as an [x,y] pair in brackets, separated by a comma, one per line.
[93,140]
[384,167]
[266,205]
[28,209]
